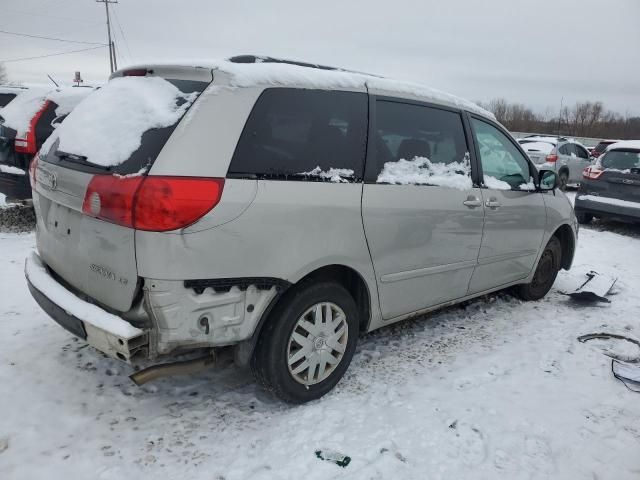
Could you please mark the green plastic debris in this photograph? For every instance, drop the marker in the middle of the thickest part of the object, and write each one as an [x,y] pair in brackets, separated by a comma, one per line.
[333,456]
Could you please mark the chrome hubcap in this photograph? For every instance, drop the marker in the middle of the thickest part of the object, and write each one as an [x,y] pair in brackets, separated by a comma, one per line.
[317,343]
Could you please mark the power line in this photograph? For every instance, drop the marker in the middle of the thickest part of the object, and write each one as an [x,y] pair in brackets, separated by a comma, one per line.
[52,54]
[126,44]
[113,63]
[19,34]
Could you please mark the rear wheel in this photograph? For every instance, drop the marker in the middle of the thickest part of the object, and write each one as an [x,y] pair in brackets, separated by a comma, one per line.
[563,180]
[584,218]
[308,342]
[545,274]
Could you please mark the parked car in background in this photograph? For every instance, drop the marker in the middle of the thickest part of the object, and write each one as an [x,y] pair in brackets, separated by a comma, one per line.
[279,210]
[601,147]
[566,157]
[27,117]
[611,187]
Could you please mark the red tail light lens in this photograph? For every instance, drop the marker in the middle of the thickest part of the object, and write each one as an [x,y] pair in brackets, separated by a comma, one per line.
[168,203]
[552,158]
[592,173]
[28,144]
[157,204]
[135,72]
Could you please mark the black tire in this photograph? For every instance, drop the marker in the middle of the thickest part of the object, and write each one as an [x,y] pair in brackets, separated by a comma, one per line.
[545,274]
[563,180]
[584,218]
[269,362]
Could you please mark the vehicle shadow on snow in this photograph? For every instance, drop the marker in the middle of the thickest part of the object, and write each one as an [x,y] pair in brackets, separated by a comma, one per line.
[621,228]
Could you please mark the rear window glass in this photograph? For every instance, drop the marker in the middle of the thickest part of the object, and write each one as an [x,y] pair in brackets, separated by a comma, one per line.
[5,98]
[621,160]
[601,147]
[151,142]
[295,134]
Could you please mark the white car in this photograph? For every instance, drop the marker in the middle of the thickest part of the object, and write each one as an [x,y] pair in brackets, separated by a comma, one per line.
[565,156]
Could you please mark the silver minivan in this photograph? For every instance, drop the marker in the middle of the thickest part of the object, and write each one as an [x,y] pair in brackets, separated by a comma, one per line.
[276,210]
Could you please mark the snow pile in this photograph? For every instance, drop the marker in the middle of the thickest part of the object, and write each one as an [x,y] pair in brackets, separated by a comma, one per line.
[19,112]
[107,127]
[609,201]
[530,185]
[39,277]
[625,144]
[421,171]
[493,182]
[68,98]
[11,169]
[544,147]
[336,175]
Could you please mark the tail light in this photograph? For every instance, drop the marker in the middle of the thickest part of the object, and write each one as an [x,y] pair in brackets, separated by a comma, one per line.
[32,170]
[592,172]
[135,72]
[551,158]
[156,204]
[28,144]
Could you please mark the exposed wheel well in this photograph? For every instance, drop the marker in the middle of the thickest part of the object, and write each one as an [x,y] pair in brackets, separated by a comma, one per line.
[352,281]
[563,170]
[565,235]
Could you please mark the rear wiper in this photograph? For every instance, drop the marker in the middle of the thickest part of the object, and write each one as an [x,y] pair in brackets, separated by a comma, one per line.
[78,160]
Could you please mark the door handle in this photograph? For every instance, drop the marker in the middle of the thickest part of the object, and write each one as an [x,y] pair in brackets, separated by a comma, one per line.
[472,202]
[492,203]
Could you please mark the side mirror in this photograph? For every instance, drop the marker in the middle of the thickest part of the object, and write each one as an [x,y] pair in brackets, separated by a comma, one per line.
[548,180]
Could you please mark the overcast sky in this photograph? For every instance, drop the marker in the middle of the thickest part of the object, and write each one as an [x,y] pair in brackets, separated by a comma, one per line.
[534,52]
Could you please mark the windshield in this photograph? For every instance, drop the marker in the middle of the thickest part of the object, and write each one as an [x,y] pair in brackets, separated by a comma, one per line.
[621,159]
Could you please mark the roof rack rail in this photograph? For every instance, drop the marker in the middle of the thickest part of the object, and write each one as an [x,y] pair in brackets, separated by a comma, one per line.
[261,59]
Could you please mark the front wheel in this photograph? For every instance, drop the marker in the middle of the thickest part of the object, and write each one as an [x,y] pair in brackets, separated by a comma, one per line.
[584,218]
[563,181]
[307,343]
[545,274]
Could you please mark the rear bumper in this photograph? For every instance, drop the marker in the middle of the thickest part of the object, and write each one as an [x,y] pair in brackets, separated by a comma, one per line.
[600,209]
[104,331]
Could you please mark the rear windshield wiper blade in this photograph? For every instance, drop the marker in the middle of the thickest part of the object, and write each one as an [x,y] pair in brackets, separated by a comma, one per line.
[78,159]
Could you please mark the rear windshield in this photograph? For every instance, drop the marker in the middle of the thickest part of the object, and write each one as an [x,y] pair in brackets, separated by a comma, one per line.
[311,135]
[621,159]
[5,98]
[107,146]
[602,146]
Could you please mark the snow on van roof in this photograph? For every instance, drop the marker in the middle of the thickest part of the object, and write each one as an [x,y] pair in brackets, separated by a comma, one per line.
[625,144]
[266,71]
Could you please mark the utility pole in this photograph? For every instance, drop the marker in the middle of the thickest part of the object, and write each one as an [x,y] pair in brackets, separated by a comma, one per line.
[113,64]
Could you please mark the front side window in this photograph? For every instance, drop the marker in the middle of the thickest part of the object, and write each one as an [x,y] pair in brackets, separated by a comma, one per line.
[420,145]
[503,166]
[295,134]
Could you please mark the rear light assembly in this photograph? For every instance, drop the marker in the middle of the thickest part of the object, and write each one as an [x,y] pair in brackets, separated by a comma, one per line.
[29,143]
[136,72]
[592,172]
[551,158]
[151,203]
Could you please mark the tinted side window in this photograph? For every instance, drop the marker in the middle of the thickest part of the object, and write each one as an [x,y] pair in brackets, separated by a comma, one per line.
[581,152]
[304,134]
[415,144]
[5,98]
[500,158]
[565,149]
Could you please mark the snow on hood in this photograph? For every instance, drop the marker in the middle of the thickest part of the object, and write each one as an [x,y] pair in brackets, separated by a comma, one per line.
[625,144]
[19,112]
[107,127]
[421,171]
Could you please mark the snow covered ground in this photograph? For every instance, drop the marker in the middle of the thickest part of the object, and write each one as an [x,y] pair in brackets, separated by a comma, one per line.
[497,389]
